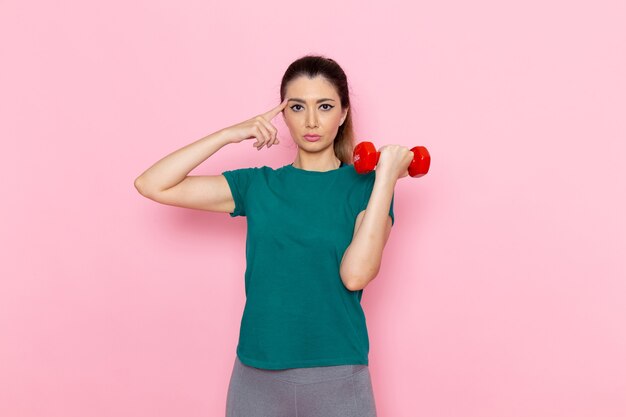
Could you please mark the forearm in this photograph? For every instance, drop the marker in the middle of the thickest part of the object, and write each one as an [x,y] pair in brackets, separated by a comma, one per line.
[173,168]
[362,259]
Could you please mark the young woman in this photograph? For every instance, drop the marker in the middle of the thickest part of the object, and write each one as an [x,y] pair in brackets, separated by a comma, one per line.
[316,233]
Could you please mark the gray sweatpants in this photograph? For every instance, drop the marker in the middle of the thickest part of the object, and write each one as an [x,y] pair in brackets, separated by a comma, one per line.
[325,391]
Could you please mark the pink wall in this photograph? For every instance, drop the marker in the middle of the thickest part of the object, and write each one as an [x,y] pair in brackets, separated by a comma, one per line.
[502,291]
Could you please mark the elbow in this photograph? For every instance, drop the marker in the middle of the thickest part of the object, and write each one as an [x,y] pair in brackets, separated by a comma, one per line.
[356,274]
[347,277]
[354,286]
[140,186]
[359,280]
[350,283]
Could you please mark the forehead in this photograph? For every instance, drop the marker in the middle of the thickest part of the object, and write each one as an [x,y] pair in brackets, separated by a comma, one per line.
[311,88]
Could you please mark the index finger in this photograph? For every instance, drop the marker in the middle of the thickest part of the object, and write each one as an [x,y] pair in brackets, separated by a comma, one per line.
[273,112]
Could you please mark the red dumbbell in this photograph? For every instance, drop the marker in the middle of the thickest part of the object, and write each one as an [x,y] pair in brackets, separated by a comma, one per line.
[366,158]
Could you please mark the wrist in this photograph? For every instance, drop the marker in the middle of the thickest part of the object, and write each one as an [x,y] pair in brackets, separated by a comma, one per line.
[386,177]
[224,137]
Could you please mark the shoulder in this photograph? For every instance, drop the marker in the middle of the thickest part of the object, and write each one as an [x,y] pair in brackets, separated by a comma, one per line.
[364,180]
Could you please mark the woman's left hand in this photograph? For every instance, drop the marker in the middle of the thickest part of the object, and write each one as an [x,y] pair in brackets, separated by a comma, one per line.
[394,161]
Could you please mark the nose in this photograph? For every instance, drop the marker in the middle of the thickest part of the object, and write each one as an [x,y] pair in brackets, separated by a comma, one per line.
[311,119]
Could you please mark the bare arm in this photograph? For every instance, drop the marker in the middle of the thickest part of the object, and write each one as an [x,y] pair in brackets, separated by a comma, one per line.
[168,181]
[361,260]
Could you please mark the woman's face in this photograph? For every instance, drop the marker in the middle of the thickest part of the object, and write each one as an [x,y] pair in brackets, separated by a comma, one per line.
[313,107]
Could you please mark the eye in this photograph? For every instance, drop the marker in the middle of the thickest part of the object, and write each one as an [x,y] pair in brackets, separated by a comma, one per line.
[325,104]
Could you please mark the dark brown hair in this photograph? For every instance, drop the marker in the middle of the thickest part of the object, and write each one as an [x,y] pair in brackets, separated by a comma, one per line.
[312,66]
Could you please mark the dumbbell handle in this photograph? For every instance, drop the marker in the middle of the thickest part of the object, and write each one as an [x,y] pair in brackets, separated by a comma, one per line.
[366,158]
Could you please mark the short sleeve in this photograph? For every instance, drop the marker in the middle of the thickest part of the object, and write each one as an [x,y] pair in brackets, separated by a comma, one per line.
[369,186]
[239,181]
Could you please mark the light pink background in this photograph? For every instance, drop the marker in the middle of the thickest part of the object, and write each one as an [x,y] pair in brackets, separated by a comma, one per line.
[502,290]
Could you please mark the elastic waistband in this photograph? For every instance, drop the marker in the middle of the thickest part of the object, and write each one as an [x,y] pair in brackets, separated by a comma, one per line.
[306,375]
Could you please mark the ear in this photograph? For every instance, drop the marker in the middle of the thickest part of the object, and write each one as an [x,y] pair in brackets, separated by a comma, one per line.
[345,113]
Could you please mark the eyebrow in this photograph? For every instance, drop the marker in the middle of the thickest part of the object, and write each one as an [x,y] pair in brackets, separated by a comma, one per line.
[302,101]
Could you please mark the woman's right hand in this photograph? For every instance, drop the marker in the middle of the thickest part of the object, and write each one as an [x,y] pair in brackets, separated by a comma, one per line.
[258,127]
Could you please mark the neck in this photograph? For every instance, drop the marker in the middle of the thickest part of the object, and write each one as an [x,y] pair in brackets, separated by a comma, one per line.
[317,164]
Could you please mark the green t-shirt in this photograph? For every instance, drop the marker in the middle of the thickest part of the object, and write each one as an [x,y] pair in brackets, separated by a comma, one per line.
[298,313]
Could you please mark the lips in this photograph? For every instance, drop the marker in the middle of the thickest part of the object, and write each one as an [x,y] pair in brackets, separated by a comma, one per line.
[312,138]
